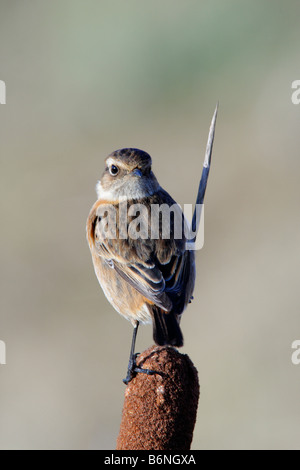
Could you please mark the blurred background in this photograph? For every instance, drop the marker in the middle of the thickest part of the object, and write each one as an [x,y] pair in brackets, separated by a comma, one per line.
[85,78]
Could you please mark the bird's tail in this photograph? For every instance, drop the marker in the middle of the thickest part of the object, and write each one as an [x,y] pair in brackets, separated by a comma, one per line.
[166,329]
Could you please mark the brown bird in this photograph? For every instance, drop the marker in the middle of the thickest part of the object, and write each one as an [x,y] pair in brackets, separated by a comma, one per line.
[138,238]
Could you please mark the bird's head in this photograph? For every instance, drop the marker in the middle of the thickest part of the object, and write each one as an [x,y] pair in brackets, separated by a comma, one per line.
[127,175]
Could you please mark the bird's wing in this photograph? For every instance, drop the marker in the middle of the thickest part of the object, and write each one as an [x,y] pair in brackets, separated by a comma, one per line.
[157,268]
[147,281]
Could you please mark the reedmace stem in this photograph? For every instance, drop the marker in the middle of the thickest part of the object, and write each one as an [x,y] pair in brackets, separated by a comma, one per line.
[205,173]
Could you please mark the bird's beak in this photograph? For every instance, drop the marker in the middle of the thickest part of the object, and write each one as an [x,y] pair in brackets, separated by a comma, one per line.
[137,172]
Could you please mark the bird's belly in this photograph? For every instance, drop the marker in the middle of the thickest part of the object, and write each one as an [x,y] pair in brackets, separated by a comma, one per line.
[127,301]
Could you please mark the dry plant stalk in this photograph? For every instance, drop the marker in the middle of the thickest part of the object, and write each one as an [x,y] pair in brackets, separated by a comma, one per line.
[160,410]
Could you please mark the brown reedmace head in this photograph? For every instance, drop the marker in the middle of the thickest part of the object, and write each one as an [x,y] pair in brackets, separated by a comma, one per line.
[160,410]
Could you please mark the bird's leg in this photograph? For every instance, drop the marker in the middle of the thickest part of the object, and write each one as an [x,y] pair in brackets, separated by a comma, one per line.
[133,369]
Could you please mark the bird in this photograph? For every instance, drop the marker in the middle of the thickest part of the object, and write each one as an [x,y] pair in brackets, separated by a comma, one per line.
[145,270]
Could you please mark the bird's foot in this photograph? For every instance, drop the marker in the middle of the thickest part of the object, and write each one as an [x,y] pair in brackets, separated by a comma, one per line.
[133,369]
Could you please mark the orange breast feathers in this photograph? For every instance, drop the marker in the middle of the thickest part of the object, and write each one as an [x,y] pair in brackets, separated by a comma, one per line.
[92,219]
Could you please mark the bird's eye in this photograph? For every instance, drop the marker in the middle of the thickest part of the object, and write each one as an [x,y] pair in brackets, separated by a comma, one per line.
[114,170]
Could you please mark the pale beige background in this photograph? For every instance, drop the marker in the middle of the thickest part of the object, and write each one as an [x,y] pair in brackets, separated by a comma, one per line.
[83,79]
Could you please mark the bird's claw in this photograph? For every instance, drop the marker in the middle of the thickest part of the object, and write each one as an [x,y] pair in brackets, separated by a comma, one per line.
[133,370]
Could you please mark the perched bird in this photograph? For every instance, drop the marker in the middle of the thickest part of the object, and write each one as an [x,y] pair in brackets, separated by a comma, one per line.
[146,275]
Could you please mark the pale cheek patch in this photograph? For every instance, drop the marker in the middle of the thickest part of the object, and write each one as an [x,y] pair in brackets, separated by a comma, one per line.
[108,195]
